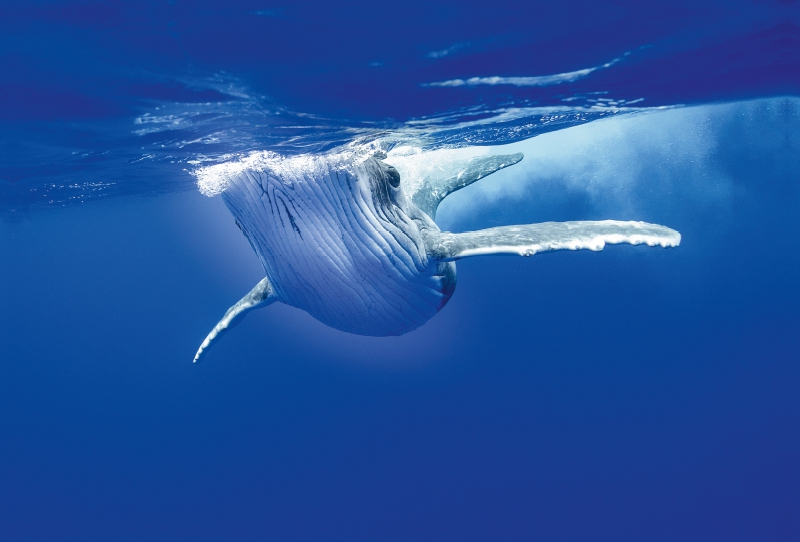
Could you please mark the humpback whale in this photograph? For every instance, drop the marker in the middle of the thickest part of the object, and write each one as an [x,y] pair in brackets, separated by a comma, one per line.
[340,237]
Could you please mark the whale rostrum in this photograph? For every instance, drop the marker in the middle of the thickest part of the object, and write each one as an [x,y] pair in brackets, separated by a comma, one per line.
[341,238]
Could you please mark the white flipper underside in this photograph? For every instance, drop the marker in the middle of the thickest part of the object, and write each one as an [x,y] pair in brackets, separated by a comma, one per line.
[529,239]
[260,296]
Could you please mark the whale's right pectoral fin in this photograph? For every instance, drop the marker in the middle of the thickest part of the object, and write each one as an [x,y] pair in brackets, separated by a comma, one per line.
[530,239]
[260,296]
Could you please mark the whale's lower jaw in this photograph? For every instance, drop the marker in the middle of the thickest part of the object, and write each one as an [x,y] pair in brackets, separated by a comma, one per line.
[392,308]
[411,305]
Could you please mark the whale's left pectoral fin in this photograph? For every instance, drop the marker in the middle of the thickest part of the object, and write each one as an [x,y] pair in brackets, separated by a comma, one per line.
[529,239]
[457,176]
[260,296]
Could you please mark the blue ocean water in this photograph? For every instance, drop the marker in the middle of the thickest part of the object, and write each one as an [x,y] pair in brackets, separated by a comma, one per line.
[631,394]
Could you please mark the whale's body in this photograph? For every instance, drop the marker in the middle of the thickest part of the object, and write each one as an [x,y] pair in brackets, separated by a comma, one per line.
[339,238]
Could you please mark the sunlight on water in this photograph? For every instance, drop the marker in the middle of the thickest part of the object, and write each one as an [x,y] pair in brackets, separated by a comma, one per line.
[155,151]
[160,149]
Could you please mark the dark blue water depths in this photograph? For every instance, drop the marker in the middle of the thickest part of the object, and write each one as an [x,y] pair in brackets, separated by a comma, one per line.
[627,395]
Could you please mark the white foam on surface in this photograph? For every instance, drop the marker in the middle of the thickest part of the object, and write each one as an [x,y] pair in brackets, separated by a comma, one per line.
[213,180]
[531,81]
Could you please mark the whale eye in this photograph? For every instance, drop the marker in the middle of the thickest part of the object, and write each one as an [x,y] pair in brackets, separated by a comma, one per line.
[393,176]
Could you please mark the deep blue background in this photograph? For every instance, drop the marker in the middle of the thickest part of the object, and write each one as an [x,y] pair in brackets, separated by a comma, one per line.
[628,395]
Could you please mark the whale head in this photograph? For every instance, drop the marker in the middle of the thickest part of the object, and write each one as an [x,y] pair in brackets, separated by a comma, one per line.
[339,239]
